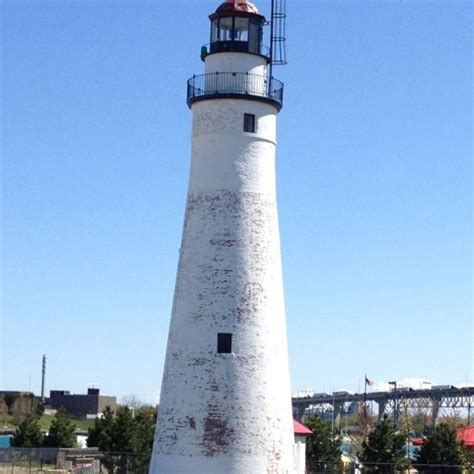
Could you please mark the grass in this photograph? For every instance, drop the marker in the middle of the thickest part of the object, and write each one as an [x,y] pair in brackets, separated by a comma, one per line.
[84,425]
[11,422]
[8,422]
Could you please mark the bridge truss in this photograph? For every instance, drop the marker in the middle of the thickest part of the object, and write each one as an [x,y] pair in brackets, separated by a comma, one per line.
[392,402]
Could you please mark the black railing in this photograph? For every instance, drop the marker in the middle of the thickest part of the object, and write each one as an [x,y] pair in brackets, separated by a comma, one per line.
[236,85]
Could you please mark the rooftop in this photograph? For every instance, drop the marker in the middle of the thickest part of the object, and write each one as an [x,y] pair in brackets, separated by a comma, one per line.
[236,6]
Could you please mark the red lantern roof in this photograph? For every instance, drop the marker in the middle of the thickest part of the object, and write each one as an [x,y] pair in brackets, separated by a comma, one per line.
[237,8]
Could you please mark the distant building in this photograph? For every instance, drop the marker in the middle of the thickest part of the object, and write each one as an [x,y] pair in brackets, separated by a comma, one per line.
[83,405]
[18,403]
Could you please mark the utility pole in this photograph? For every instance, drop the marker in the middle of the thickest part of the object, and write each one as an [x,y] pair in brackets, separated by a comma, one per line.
[43,374]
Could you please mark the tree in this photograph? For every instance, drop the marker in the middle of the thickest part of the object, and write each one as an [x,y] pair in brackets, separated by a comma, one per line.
[123,434]
[420,421]
[100,435]
[10,402]
[131,401]
[322,450]
[146,422]
[453,419]
[385,447]
[39,410]
[443,448]
[61,432]
[28,434]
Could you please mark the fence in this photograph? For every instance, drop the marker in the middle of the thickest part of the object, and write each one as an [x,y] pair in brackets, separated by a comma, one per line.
[27,460]
[74,461]
[91,461]
[384,468]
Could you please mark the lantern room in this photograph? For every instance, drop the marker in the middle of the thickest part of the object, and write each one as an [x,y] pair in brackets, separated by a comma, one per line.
[236,26]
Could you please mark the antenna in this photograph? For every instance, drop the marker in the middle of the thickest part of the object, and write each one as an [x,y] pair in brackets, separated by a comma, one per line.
[43,374]
[278,33]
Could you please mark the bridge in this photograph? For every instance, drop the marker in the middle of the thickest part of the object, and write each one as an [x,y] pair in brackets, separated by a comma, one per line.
[436,397]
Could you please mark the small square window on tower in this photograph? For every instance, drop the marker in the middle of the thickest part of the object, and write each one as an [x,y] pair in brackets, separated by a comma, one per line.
[224,343]
[249,123]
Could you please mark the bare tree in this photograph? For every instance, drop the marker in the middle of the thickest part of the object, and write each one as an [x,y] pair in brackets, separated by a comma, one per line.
[452,418]
[131,401]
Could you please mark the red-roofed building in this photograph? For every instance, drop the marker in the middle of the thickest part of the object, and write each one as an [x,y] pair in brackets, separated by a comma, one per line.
[301,432]
[300,429]
[466,435]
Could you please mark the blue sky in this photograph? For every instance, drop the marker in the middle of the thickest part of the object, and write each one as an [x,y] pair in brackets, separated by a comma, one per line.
[374,183]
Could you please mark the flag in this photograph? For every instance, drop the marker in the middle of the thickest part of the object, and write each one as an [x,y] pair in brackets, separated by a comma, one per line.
[368,382]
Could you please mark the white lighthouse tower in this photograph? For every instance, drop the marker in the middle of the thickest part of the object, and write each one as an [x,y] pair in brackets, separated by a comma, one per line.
[225,404]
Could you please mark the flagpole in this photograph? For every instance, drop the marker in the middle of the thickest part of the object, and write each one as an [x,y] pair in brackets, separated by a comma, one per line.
[365,408]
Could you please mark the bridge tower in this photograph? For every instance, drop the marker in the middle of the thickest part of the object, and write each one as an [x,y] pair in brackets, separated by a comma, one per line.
[225,403]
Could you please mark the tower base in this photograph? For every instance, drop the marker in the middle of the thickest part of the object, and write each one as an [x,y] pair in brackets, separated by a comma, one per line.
[176,464]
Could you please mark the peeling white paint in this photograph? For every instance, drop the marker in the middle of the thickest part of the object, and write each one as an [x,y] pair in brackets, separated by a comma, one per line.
[228,413]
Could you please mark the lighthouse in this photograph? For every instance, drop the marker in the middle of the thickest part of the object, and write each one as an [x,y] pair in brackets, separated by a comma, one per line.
[225,404]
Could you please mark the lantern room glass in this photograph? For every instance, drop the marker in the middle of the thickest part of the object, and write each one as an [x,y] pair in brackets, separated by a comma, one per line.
[226,29]
[241,29]
[255,36]
[215,31]
[236,34]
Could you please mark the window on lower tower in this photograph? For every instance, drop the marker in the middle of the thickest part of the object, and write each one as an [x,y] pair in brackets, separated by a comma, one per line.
[249,123]
[224,343]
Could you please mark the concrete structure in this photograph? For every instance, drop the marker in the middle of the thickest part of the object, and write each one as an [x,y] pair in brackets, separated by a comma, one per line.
[82,405]
[225,403]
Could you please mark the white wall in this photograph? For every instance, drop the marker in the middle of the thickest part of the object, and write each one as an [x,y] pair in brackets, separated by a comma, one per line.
[228,413]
